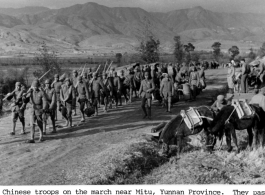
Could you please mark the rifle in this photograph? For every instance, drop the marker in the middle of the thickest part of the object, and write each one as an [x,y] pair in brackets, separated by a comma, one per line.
[29,89]
[83,70]
[44,74]
[105,66]
[109,66]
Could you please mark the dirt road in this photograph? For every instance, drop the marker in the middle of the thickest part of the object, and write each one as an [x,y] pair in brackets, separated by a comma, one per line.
[73,156]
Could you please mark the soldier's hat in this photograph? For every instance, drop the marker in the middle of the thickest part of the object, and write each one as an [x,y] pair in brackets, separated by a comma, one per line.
[47,81]
[35,83]
[80,78]
[62,77]
[74,71]
[56,76]
[67,79]
[95,74]
[18,84]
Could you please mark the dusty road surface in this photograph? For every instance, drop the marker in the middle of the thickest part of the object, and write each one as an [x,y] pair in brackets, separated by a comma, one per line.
[77,155]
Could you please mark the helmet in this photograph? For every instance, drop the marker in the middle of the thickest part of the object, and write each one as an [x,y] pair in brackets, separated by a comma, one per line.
[74,71]
[47,81]
[56,76]
[35,83]
[221,98]
[18,84]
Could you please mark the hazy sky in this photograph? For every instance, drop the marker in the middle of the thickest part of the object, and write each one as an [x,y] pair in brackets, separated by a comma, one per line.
[254,6]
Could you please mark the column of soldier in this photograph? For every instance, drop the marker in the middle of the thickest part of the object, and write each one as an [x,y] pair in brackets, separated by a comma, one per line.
[90,90]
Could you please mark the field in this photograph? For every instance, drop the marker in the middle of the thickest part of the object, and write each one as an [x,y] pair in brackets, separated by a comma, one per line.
[122,153]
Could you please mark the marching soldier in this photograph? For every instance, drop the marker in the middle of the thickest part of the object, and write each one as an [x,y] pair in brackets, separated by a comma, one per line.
[146,88]
[167,91]
[96,85]
[68,98]
[83,96]
[74,82]
[18,106]
[107,94]
[51,100]
[117,89]
[123,86]
[38,102]
[57,84]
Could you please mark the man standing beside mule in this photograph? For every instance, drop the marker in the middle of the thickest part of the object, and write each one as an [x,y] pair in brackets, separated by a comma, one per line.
[244,77]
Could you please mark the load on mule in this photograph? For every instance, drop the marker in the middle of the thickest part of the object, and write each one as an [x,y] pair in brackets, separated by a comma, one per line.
[177,129]
[227,121]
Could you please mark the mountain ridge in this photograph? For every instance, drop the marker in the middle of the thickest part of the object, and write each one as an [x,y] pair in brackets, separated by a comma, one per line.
[74,26]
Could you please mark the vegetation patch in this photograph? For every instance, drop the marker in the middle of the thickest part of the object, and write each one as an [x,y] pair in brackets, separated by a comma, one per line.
[128,165]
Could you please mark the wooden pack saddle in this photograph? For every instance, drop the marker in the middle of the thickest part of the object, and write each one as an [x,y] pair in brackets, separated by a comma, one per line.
[242,108]
[191,117]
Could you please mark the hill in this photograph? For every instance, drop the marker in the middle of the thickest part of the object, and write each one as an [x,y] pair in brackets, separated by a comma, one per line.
[94,26]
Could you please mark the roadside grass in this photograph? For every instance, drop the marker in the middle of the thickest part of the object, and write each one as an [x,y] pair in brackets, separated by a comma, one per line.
[220,167]
[125,163]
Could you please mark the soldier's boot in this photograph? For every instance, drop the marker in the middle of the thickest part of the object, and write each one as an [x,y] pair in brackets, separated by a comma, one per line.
[32,134]
[53,125]
[145,113]
[23,130]
[14,127]
[70,122]
[149,112]
[169,107]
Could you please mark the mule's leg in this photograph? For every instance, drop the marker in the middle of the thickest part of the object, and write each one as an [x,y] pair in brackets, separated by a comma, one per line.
[228,139]
[165,149]
[179,144]
[255,138]
[250,137]
[233,132]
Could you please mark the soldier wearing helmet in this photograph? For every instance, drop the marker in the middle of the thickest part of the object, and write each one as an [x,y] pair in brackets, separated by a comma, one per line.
[57,84]
[146,89]
[18,106]
[74,82]
[38,102]
[123,89]
[68,98]
[219,103]
[83,96]
[96,87]
[51,101]
[107,94]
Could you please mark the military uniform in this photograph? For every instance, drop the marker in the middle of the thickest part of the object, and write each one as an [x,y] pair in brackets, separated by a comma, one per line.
[146,89]
[96,86]
[83,94]
[38,104]
[68,93]
[51,100]
[17,107]
[117,89]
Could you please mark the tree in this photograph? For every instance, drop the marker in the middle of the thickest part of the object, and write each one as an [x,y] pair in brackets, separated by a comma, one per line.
[47,60]
[233,51]
[149,50]
[179,50]
[118,58]
[251,54]
[188,48]
[261,52]
[216,50]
